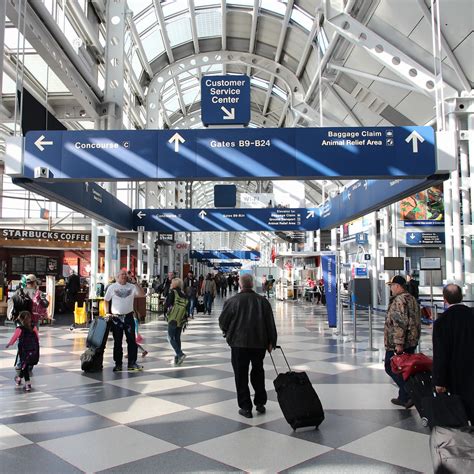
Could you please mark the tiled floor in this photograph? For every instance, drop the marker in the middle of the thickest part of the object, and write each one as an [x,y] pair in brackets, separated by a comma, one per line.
[184,419]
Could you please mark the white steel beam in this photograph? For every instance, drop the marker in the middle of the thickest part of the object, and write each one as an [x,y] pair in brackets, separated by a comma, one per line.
[344,105]
[307,47]
[387,54]
[39,36]
[138,43]
[192,13]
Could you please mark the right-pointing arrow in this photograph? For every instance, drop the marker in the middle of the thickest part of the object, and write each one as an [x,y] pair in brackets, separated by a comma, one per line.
[229,115]
[414,137]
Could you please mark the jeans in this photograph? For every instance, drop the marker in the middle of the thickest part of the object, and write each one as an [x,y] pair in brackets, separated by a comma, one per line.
[398,378]
[174,336]
[207,303]
[119,326]
[241,359]
[192,305]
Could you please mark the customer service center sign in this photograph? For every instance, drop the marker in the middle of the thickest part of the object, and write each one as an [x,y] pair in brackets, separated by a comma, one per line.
[57,236]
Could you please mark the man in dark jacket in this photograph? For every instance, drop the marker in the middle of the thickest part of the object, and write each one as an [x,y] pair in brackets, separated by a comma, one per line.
[190,290]
[249,328]
[453,349]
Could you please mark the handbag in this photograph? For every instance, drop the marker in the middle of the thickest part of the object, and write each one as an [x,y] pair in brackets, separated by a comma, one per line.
[410,364]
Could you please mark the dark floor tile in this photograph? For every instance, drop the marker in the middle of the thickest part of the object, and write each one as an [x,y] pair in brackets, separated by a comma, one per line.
[33,459]
[197,374]
[334,431]
[194,395]
[177,461]
[187,427]
[341,462]
[384,417]
[413,423]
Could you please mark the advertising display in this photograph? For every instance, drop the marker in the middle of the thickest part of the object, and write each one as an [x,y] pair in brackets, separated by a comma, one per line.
[423,208]
[330,287]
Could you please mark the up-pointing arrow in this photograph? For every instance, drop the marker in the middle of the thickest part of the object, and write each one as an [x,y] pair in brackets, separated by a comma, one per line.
[177,139]
[41,141]
[414,137]
[141,215]
[229,115]
[203,214]
[309,214]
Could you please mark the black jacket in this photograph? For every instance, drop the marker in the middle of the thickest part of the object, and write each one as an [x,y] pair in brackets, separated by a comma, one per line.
[247,321]
[453,353]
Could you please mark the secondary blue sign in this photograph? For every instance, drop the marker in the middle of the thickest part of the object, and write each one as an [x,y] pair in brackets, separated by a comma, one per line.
[204,255]
[328,263]
[425,238]
[245,153]
[226,220]
[225,100]
[362,238]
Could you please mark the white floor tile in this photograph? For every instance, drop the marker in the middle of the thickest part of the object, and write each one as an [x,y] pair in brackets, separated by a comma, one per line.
[229,384]
[149,384]
[11,439]
[357,396]
[329,368]
[256,450]
[229,409]
[28,403]
[62,380]
[396,446]
[106,448]
[130,409]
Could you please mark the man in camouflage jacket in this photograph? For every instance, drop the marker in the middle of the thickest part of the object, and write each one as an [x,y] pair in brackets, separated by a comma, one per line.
[401,332]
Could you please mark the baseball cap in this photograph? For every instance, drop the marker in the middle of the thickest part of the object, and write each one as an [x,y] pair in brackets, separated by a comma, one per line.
[30,278]
[397,279]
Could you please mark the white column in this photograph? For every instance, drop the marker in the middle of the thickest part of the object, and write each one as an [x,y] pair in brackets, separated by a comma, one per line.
[171,263]
[373,256]
[139,254]
[128,258]
[469,234]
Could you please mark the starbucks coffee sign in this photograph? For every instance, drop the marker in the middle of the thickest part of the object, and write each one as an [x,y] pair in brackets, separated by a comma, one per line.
[60,236]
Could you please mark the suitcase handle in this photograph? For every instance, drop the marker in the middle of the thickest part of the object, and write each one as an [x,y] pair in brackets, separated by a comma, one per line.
[273,362]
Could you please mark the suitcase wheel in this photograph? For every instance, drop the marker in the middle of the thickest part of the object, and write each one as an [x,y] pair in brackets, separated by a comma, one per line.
[424,421]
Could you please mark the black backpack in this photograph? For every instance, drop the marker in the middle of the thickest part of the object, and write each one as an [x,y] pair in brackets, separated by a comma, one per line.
[28,347]
[21,302]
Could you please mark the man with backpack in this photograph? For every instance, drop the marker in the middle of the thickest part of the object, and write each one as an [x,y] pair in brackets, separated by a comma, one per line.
[30,299]
[177,310]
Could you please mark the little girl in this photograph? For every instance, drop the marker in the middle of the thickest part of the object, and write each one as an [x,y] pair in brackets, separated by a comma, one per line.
[28,347]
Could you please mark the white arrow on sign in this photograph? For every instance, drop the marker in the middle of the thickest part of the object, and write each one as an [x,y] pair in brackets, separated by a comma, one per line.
[412,236]
[141,214]
[309,214]
[203,214]
[177,139]
[40,142]
[414,137]
[229,115]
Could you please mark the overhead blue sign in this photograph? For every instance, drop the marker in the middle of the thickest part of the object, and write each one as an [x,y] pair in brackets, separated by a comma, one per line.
[226,220]
[424,238]
[225,254]
[362,238]
[87,198]
[245,153]
[225,100]
[366,196]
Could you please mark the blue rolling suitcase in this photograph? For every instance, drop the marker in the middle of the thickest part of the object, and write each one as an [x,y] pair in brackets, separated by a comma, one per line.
[97,333]
[93,357]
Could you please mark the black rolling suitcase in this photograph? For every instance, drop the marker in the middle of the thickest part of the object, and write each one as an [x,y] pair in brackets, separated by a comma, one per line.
[420,386]
[298,400]
[200,305]
[93,357]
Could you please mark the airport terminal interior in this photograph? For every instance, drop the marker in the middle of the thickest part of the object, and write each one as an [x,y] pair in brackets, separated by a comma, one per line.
[317,148]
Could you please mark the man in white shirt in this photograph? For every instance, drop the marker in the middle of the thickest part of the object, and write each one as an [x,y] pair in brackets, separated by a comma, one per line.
[119,302]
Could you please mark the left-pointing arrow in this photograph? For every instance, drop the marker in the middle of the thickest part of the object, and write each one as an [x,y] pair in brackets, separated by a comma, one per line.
[41,141]
[177,139]
[141,214]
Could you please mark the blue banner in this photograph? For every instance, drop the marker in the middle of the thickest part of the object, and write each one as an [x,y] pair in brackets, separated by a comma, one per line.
[328,263]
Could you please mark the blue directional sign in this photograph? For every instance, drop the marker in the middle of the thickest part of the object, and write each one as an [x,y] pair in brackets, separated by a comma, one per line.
[226,220]
[362,238]
[266,153]
[207,255]
[225,100]
[425,238]
[365,196]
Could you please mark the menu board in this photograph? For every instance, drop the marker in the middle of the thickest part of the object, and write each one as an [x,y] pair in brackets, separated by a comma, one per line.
[17,265]
[29,264]
[40,265]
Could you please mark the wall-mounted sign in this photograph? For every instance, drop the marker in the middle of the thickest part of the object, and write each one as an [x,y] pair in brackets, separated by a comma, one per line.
[165,236]
[62,236]
[430,263]
[425,238]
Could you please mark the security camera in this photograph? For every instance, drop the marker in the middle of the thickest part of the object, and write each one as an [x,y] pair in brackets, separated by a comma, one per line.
[42,172]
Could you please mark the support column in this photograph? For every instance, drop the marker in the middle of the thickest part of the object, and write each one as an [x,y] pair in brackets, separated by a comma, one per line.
[139,254]
[469,234]
[373,256]
[128,258]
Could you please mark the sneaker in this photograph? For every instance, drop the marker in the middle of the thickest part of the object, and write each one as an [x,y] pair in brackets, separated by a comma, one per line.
[246,413]
[144,353]
[181,359]
[118,368]
[17,380]
[261,408]
[27,387]
[135,368]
